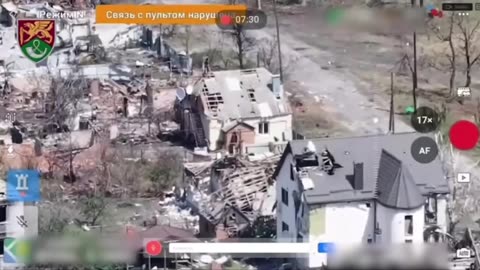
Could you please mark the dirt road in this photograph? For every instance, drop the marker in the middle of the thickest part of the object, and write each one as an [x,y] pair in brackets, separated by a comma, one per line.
[338,91]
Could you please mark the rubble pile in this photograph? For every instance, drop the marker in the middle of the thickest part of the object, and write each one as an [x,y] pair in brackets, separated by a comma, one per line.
[232,186]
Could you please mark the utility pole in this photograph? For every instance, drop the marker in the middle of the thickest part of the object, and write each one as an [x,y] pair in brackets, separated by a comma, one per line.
[415,77]
[278,40]
[391,127]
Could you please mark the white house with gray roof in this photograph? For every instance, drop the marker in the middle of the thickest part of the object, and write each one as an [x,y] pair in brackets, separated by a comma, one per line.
[358,190]
[242,109]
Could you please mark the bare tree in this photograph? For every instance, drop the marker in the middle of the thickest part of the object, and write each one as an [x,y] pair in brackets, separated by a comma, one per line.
[164,171]
[149,109]
[267,52]
[268,58]
[451,56]
[215,45]
[470,47]
[127,175]
[188,31]
[54,217]
[63,99]
[93,208]
[243,42]
[106,155]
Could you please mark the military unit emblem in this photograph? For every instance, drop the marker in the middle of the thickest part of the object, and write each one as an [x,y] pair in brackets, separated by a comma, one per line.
[36,38]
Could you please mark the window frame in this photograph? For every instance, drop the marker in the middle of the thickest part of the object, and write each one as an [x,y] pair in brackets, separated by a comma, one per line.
[263,127]
[408,230]
[285,196]
[285,227]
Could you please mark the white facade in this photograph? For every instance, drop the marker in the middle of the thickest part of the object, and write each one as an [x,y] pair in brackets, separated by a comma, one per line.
[286,213]
[347,222]
[392,223]
[279,127]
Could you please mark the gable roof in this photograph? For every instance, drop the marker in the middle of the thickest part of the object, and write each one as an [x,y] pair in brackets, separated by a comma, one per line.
[231,125]
[240,94]
[395,184]
[427,178]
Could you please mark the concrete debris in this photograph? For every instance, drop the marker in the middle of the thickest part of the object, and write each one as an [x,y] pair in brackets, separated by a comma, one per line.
[231,187]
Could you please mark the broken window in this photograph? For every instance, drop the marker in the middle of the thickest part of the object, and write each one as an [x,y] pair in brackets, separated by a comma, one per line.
[285,196]
[251,95]
[263,127]
[408,225]
[284,227]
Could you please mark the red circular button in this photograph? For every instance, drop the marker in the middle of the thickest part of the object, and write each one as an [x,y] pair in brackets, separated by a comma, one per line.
[153,248]
[464,135]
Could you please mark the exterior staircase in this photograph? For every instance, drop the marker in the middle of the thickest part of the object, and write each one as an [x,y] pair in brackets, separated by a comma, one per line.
[197,129]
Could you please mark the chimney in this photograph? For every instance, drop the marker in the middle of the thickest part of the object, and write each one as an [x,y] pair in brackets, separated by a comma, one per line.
[277,87]
[358,176]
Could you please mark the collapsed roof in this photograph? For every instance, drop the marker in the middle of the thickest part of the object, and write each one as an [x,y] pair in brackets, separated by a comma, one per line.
[244,189]
[240,94]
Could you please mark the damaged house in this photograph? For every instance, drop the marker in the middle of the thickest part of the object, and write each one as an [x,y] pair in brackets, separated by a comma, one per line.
[229,194]
[326,185]
[239,111]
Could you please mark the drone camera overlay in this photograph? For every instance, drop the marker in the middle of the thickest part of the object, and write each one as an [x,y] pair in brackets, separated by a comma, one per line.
[239,134]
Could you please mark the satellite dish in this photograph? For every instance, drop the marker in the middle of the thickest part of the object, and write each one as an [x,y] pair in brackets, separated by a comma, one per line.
[189,89]
[180,94]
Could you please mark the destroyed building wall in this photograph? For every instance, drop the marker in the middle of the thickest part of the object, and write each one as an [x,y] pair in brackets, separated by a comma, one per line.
[20,157]
[244,96]
[230,193]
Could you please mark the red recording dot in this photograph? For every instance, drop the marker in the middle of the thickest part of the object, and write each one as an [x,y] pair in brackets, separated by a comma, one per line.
[225,20]
[464,135]
[153,248]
